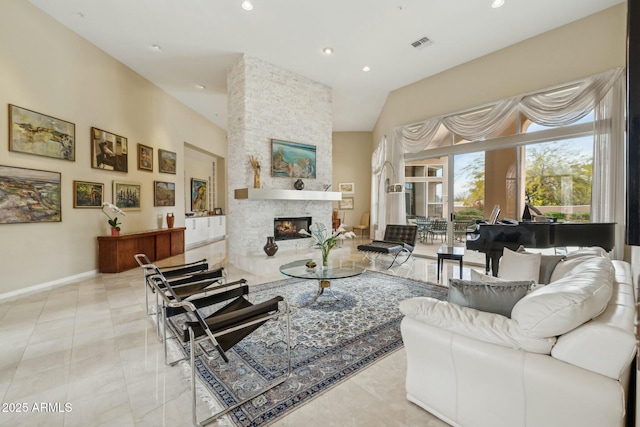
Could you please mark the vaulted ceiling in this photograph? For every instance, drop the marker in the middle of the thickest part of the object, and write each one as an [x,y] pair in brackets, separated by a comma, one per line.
[197,40]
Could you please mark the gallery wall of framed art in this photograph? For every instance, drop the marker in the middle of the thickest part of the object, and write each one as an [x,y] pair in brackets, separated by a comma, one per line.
[51,103]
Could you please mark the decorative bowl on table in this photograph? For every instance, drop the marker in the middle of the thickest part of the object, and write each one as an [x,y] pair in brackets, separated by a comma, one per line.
[311,265]
[190,214]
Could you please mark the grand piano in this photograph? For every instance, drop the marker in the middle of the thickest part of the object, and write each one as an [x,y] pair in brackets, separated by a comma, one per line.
[491,239]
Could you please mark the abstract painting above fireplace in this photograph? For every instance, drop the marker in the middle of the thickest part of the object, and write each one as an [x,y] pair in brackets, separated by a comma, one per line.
[289,228]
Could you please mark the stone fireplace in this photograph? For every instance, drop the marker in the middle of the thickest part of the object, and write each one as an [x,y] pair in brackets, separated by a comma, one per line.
[289,228]
[267,102]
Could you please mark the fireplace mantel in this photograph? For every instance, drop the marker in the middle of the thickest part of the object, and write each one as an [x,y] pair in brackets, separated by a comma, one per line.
[279,194]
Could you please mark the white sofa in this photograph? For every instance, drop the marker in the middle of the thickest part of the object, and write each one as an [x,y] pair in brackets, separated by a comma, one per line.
[562,359]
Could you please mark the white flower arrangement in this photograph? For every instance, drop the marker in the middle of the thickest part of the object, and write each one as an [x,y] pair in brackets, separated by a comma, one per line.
[325,239]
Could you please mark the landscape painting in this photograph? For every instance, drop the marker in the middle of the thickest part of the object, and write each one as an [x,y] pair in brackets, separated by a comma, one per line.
[35,133]
[292,160]
[126,195]
[164,193]
[88,194]
[29,195]
[166,161]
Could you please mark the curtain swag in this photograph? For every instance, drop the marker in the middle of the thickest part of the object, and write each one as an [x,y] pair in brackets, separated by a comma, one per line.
[558,106]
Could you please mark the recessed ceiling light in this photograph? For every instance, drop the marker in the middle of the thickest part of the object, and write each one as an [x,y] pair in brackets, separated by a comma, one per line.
[201,87]
[366,68]
[328,50]
[497,3]
[246,5]
[156,47]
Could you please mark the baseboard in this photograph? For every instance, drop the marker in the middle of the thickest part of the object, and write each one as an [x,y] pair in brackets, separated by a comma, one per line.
[203,243]
[48,285]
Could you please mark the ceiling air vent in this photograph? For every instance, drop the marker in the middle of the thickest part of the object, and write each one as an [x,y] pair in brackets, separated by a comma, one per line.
[422,43]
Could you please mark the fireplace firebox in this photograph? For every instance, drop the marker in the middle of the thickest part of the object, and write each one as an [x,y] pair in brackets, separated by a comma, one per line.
[289,228]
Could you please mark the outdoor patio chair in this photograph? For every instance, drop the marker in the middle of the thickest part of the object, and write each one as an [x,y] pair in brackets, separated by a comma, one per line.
[398,241]
[223,329]
[461,228]
[424,225]
[438,228]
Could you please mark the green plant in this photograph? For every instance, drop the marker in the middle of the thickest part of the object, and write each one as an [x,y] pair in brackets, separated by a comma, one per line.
[469,213]
[114,223]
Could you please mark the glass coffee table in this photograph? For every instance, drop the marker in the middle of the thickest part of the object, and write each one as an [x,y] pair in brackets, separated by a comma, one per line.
[336,269]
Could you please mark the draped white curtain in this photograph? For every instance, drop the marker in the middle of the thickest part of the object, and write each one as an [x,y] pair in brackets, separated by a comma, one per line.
[483,122]
[378,205]
[607,194]
[558,106]
[397,213]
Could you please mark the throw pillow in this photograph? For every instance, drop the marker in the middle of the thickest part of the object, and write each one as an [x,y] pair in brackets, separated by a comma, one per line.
[481,277]
[492,297]
[519,266]
[547,265]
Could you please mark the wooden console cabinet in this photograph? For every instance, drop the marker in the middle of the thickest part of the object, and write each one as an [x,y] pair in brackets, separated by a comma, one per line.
[115,253]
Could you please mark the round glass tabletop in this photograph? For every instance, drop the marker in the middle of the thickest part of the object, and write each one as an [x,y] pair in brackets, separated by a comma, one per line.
[336,269]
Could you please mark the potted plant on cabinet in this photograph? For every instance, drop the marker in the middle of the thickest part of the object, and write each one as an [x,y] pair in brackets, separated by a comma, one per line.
[113,222]
[115,226]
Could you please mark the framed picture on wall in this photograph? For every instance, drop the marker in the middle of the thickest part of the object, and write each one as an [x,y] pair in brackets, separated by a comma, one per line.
[292,160]
[346,203]
[164,193]
[198,195]
[108,151]
[126,195]
[35,133]
[88,194]
[30,195]
[145,158]
[167,161]
[347,187]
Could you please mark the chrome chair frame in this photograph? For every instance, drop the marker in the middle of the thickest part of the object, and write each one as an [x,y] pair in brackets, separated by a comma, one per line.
[194,283]
[171,271]
[173,301]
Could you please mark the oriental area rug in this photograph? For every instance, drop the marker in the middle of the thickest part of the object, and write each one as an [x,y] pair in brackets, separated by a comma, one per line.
[331,340]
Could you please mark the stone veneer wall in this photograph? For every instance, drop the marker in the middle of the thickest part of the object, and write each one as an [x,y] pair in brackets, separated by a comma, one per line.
[268,102]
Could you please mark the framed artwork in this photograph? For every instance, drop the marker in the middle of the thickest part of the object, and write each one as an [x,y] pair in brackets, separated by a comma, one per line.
[29,195]
[145,158]
[346,203]
[164,193]
[126,195]
[198,195]
[35,133]
[292,160]
[346,187]
[108,151]
[167,161]
[88,194]
[217,211]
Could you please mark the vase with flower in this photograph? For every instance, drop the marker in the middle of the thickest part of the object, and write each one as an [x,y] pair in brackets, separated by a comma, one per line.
[113,222]
[326,240]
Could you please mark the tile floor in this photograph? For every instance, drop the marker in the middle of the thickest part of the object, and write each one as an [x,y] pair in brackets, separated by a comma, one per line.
[90,346]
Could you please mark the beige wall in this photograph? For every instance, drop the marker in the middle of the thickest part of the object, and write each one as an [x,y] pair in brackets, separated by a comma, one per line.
[47,68]
[352,163]
[583,48]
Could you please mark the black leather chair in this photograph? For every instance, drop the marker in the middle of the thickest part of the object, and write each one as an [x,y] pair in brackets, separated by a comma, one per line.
[226,327]
[398,242]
